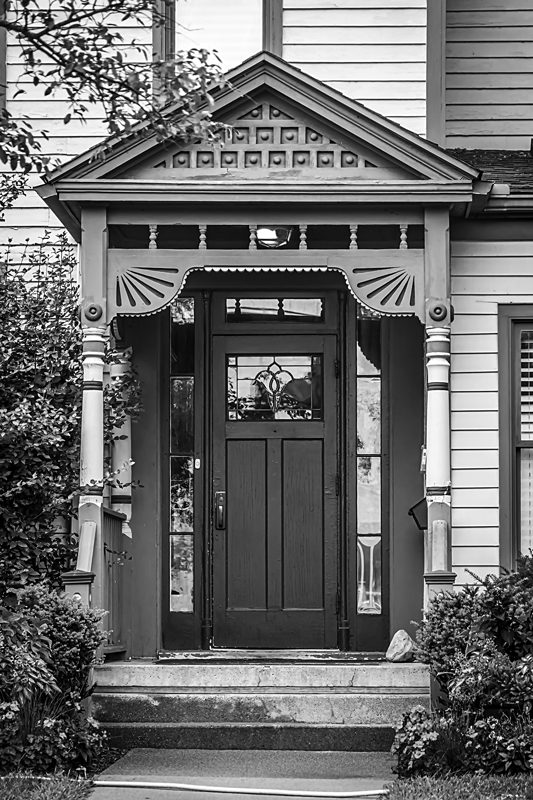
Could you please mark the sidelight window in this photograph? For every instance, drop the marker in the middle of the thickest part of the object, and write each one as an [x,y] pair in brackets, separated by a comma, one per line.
[181,542]
[369,524]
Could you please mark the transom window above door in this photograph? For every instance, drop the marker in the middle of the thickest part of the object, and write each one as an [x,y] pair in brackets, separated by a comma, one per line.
[286,309]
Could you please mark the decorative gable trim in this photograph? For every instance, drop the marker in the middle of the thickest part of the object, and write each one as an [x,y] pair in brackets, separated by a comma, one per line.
[266,72]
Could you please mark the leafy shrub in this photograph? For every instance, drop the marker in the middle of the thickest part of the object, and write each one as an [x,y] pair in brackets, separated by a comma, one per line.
[30,787]
[455,741]
[40,402]
[47,648]
[479,643]
[463,787]
[73,632]
[506,610]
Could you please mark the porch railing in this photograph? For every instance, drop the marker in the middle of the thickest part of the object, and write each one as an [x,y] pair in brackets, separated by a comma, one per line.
[117,583]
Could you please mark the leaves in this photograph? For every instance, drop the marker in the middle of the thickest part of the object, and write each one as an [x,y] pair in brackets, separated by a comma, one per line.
[75,50]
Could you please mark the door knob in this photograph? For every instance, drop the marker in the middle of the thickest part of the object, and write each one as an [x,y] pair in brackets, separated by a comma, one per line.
[220,510]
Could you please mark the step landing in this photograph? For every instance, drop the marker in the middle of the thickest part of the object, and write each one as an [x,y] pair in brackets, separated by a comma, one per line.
[275,705]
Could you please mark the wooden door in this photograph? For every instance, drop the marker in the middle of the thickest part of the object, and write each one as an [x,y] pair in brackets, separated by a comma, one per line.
[275,514]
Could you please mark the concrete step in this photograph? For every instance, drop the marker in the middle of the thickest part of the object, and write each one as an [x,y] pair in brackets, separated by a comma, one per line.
[269,705]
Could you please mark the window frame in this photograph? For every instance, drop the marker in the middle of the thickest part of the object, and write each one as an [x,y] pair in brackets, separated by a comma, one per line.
[164,36]
[512,319]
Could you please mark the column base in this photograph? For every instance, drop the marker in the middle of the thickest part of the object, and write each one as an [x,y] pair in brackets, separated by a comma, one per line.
[77,585]
[439,581]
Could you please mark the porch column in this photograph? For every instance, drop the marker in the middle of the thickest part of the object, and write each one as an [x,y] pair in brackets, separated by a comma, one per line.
[438,556]
[93,268]
[121,449]
[438,576]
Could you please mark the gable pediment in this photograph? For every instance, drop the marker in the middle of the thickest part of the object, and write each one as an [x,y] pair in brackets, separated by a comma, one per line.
[283,126]
[271,137]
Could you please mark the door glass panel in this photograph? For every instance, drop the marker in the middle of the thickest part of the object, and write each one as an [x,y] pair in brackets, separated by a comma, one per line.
[368,471]
[181,511]
[181,415]
[270,387]
[181,572]
[368,415]
[369,575]
[368,494]
[287,309]
[368,346]
[181,494]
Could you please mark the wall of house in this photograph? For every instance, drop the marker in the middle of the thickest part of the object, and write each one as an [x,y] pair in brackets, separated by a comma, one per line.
[484,273]
[489,74]
[23,100]
[371,52]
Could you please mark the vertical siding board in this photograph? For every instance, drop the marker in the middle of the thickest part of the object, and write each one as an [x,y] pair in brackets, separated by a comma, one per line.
[489,50]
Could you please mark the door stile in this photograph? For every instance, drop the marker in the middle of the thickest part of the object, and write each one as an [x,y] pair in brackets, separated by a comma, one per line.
[205,425]
[343,623]
[274,512]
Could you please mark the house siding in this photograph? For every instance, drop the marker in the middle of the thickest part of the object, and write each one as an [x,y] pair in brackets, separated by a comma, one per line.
[30,215]
[489,73]
[372,52]
[484,274]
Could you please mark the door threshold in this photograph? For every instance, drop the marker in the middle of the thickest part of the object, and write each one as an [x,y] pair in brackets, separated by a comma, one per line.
[218,655]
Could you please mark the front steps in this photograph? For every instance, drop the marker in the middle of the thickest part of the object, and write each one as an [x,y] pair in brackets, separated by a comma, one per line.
[248,705]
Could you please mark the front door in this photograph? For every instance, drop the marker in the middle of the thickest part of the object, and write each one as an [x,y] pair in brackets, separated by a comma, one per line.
[275,503]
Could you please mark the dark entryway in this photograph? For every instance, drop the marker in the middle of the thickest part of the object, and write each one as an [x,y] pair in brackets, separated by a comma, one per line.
[295,439]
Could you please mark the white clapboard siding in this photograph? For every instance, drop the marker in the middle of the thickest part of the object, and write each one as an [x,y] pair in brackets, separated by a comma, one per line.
[464,556]
[489,74]
[29,218]
[475,537]
[474,459]
[479,478]
[475,401]
[483,274]
[372,52]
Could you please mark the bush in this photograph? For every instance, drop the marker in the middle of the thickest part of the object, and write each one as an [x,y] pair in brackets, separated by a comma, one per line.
[47,648]
[457,741]
[447,632]
[479,643]
[74,635]
[29,787]
[463,787]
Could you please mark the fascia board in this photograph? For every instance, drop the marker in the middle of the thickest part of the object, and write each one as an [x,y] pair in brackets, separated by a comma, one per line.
[520,203]
[238,192]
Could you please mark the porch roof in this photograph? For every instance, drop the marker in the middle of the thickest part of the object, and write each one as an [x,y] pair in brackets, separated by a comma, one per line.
[373,160]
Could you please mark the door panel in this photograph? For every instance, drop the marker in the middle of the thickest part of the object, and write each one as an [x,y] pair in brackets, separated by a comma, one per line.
[246,549]
[275,457]
[303,524]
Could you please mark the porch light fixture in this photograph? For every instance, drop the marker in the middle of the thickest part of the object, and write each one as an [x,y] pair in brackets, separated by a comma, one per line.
[419,512]
[273,236]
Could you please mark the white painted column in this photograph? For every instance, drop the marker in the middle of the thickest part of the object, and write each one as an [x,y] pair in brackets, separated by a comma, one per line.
[121,450]
[92,412]
[439,576]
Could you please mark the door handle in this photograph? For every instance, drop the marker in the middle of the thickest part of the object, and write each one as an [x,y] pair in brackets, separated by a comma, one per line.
[220,510]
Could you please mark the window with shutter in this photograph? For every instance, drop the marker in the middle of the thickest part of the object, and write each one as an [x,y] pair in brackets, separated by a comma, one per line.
[515,348]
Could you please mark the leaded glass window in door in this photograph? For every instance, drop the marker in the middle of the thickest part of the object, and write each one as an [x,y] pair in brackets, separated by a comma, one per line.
[274,387]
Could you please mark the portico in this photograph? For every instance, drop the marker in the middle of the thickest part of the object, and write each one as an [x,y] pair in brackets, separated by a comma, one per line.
[285,395]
